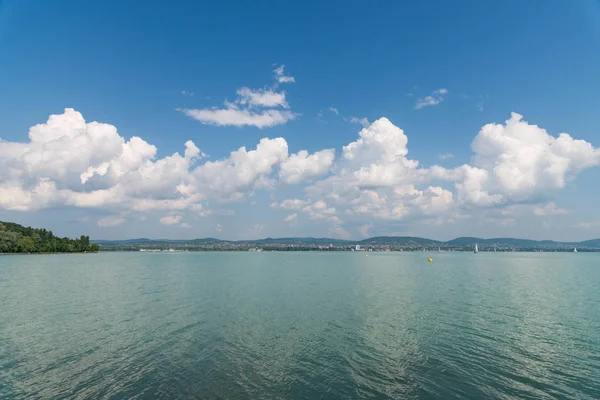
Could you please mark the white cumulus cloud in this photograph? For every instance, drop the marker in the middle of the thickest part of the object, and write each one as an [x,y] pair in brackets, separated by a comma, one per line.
[280,76]
[374,179]
[588,224]
[108,222]
[549,209]
[340,232]
[240,117]
[445,156]
[290,204]
[515,169]
[170,219]
[364,230]
[290,218]
[70,162]
[518,162]
[243,171]
[361,121]
[432,100]
[303,166]
[261,108]
[261,98]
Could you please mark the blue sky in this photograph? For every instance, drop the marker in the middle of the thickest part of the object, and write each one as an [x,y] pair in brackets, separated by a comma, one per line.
[141,67]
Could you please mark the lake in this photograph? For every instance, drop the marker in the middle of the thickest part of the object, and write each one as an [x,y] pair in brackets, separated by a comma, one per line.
[300,326]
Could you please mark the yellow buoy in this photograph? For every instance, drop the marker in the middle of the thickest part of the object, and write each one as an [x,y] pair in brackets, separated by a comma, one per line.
[366,255]
[431,260]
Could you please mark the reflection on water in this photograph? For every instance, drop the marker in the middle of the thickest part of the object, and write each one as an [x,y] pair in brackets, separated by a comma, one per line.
[300,325]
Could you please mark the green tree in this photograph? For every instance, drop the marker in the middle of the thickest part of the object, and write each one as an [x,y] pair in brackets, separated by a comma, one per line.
[26,244]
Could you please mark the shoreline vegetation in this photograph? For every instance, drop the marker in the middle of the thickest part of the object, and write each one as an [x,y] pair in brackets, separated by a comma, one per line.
[47,253]
[18,239]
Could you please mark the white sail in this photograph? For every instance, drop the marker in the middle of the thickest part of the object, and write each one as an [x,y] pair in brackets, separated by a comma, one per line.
[476,249]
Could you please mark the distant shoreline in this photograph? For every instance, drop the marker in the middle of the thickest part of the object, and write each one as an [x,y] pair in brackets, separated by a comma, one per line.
[378,243]
[297,251]
[340,251]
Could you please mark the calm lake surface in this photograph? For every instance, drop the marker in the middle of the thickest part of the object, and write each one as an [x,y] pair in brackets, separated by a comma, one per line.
[300,326]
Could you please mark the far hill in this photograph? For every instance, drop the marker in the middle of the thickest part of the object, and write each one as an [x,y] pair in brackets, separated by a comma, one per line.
[299,240]
[206,241]
[139,240]
[590,243]
[471,241]
[398,240]
[380,242]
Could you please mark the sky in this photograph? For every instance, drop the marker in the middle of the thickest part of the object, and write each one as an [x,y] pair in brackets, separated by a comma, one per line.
[345,119]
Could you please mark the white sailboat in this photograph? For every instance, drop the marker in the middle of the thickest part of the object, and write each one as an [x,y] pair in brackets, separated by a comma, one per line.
[575,250]
[476,249]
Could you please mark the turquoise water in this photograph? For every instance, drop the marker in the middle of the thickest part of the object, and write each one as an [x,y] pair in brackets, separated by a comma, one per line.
[300,325]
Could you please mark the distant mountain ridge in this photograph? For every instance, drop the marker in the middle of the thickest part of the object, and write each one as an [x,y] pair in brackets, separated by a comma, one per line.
[374,241]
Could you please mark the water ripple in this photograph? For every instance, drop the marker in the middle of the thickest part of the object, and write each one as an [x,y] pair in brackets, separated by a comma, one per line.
[300,325]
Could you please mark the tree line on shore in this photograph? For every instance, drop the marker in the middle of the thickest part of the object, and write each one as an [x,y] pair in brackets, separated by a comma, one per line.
[15,238]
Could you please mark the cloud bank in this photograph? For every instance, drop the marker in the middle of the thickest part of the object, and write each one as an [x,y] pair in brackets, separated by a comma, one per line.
[69,162]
